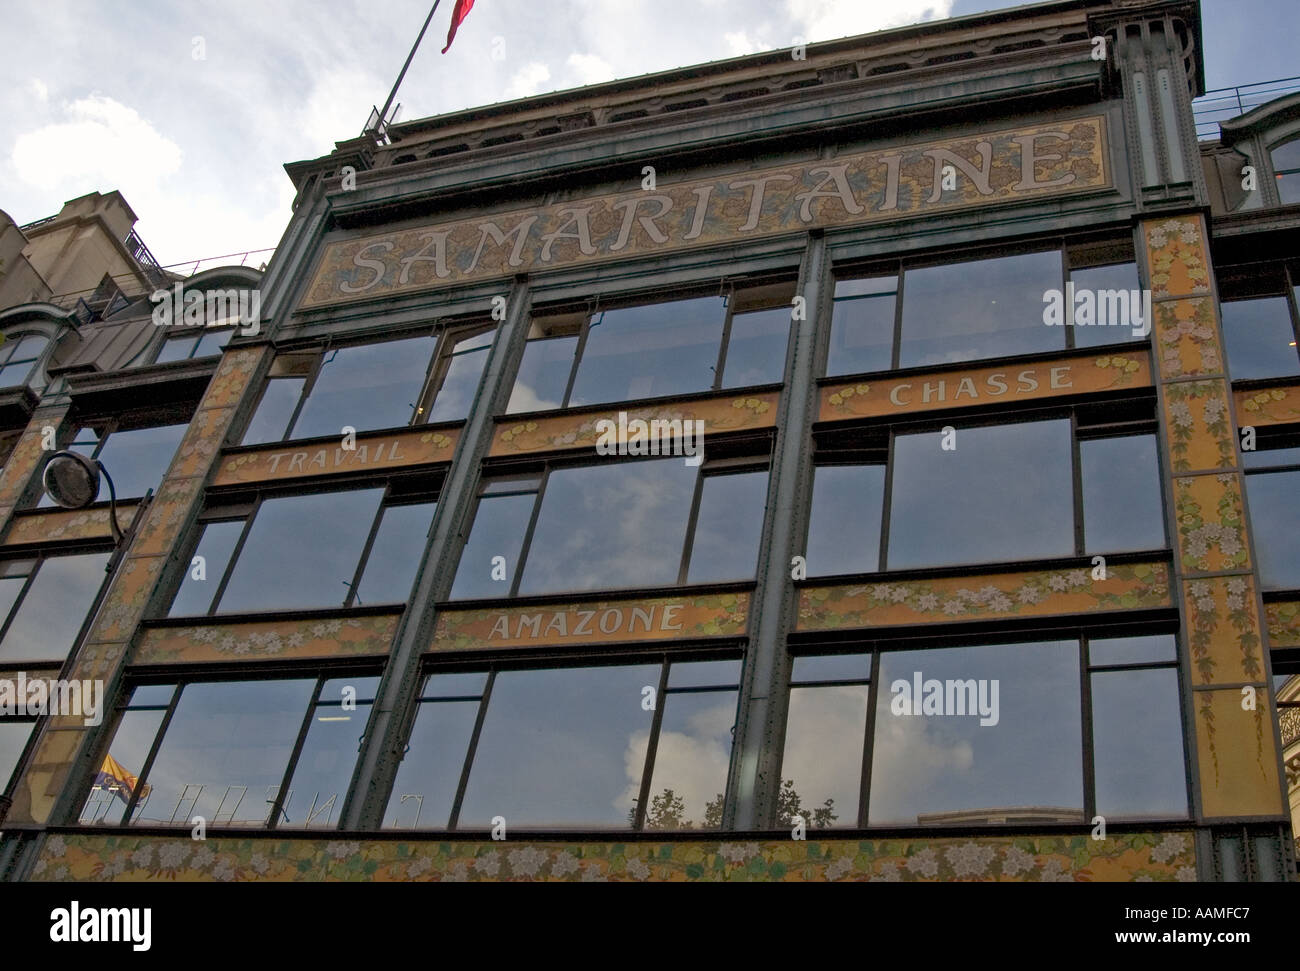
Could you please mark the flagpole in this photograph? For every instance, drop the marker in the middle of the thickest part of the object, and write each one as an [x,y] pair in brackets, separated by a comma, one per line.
[409,57]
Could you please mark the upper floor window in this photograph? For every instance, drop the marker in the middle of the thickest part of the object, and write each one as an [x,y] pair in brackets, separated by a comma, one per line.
[44,602]
[1272,486]
[1259,336]
[932,315]
[136,458]
[185,347]
[1286,169]
[18,358]
[655,350]
[370,386]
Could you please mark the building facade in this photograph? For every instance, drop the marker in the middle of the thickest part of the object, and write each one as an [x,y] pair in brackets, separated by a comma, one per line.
[867,461]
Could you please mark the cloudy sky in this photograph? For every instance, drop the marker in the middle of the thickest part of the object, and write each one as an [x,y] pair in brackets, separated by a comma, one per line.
[98,96]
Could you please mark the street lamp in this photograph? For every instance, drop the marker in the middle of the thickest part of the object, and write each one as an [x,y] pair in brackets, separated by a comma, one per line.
[72,481]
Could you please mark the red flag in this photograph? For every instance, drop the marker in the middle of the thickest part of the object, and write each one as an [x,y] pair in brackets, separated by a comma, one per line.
[458,16]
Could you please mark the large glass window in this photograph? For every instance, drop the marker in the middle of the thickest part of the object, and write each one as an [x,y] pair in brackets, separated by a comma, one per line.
[986,494]
[238,753]
[136,458]
[930,316]
[18,358]
[1286,169]
[333,549]
[44,602]
[189,346]
[654,350]
[1260,338]
[14,734]
[1272,491]
[617,525]
[626,746]
[987,734]
[369,386]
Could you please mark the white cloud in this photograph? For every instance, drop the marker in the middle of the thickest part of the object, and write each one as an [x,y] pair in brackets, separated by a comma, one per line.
[589,68]
[831,19]
[528,80]
[103,144]
[693,763]
[39,90]
[740,43]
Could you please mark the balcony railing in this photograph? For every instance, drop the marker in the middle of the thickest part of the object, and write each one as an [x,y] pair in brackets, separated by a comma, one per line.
[1224,103]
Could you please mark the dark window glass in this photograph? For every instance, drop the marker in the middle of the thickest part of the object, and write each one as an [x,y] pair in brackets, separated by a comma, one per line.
[225,753]
[650,351]
[756,348]
[559,748]
[18,359]
[13,739]
[1152,649]
[615,525]
[177,349]
[862,326]
[1266,458]
[1275,521]
[543,375]
[212,342]
[498,530]
[979,309]
[196,592]
[1119,276]
[831,667]
[366,386]
[1003,493]
[425,788]
[704,674]
[1122,509]
[323,770]
[1286,168]
[395,554]
[927,765]
[728,527]
[456,394]
[1259,339]
[844,531]
[45,623]
[1146,779]
[301,551]
[692,755]
[822,764]
[138,459]
[119,774]
[270,421]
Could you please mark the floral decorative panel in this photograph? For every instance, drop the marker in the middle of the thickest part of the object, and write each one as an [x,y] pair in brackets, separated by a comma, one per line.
[1238,770]
[261,640]
[1283,623]
[1176,255]
[383,452]
[578,429]
[1270,406]
[1121,857]
[1187,338]
[944,599]
[1197,424]
[24,459]
[981,386]
[1211,524]
[230,382]
[66,524]
[596,622]
[1223,630]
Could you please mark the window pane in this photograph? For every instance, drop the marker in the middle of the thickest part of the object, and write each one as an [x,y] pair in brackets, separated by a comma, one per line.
[1121,494]
[1004,493]
[1270,457]
[609,526]
[728,527]
[703,674]
[369,386]
[1131,650]
[498,530]
[138,459]
[461,383]
[651,351]
[756,350]
[13,375]
[426,783]
[844,531]
[1287,156]
[832,667]
[10,588]
[212,342]
[324,769]
[13,739]
[269,422]
[691,760]
[979,309]
[218,542]
[862,334]
[543,375]
[558,748]
[1288,187]
[302,551]
[823,755]
[119,773]
[176,349]
[1275,522]
[1027,764]
[1121,276]
[1146,780]
[455,685]
[50,615]
[395,554]
[1259,339]
[225,753]
[27,349]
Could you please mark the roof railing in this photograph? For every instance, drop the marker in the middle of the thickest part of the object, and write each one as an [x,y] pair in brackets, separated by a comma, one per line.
[1221,104]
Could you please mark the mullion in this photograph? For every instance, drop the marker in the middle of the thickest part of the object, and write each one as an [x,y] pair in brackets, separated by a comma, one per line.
[526,546]
[235,554]
[277,804]
[896,354]
[22,595]
[886,504]
[868,744]
[1085,715]
[1292,306]
[1076,481]
[1066,277]
[307,387]
[471,751]
[725,344]
[364,558]
[147,767]
[648,768]
[578,351]
[688,541]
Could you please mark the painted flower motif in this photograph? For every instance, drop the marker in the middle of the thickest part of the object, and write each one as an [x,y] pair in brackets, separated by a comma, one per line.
[458,872]
[1016,861]
[1054,872]
[223,871]
[927,601]
[1173,845]
[341,851]
[143,856]
[1029,595]
[1186,874]
[953,607]
[839,868]
[202,859]
[1102,362]
[565,863]
[419,866]
[56,846]
[489,864]
[1200,588]
[1182,414]
[898,595]
[889,873]
[1056,582]
[172,855]
[881,591]
[924,863]
[733,852]
[1206,605]
[970,859]
[592,875]
[527,861]
[637,868]
[1236,585]
[259,864]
